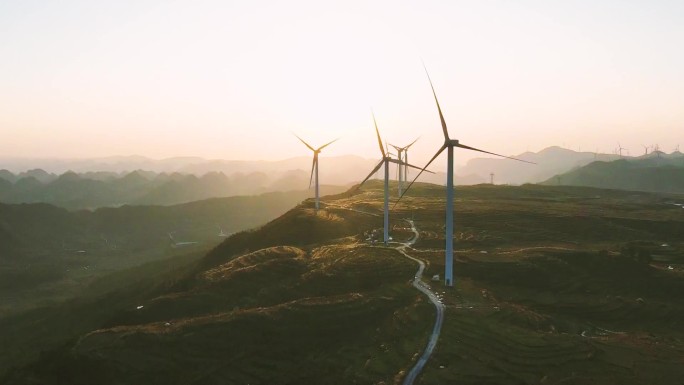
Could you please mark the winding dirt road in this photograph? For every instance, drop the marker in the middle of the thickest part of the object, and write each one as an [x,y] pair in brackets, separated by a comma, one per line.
[437,328]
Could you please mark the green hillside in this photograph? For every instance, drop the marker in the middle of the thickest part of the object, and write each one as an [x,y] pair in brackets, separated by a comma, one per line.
[647,174]
[556,285]
[48,252]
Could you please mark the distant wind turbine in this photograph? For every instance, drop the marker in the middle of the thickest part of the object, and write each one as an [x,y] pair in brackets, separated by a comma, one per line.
[403,174]
[314,165]
[386,160]
[656,149]
[449,145]
[620,148]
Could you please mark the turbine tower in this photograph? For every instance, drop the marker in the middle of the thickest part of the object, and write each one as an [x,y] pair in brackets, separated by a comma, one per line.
[400,175]
[449,145]
[403,174]
[386,160]
[314,165]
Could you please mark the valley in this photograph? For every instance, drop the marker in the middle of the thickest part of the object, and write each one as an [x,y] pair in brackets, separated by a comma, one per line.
[49,254]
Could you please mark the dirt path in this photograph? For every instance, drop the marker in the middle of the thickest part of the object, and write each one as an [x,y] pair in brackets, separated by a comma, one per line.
[439,319]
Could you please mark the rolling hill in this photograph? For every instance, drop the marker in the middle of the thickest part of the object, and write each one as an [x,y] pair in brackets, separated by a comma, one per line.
[643,174]
[553,285]
[48,252]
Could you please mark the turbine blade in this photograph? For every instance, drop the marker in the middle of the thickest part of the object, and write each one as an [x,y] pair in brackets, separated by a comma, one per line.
[313,164]
[416,167]
[441,117]
[371,174]
[327,144]
[409,165]
[305,143]
[407,147]
[377,132]
[395,147]
[492,153]
[421,171]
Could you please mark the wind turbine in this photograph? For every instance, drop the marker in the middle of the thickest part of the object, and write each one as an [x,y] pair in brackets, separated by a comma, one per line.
[314,165]
[645,149]
[620,148]
[449,145]
[403,150]
[386,160]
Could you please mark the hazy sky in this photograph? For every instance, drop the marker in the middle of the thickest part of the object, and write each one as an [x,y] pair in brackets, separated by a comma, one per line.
[231,80]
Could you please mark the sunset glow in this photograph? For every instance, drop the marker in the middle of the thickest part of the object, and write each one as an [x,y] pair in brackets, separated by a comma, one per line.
[232,80]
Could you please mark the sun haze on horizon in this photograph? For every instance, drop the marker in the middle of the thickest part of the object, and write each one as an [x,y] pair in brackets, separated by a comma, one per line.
[233,80]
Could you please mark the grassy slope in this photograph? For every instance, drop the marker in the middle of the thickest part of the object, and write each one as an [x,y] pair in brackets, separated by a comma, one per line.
[553,269]
[49,253]
[555,299]
[323,309]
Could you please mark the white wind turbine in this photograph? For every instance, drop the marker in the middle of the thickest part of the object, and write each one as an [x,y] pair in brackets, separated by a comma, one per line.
[449,145]
[402,171]
[314,165]
[386,160]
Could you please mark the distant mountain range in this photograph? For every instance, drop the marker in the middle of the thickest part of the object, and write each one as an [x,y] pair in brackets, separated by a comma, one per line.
[340,169]
[654,172]
[173,181]
[549,162]
[91,183]
[109,189]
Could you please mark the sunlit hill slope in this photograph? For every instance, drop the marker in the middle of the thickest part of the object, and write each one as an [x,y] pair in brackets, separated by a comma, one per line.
[553,285]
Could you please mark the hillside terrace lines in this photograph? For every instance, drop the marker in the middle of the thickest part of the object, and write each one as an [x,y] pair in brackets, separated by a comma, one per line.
[251,260]
[176,325]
